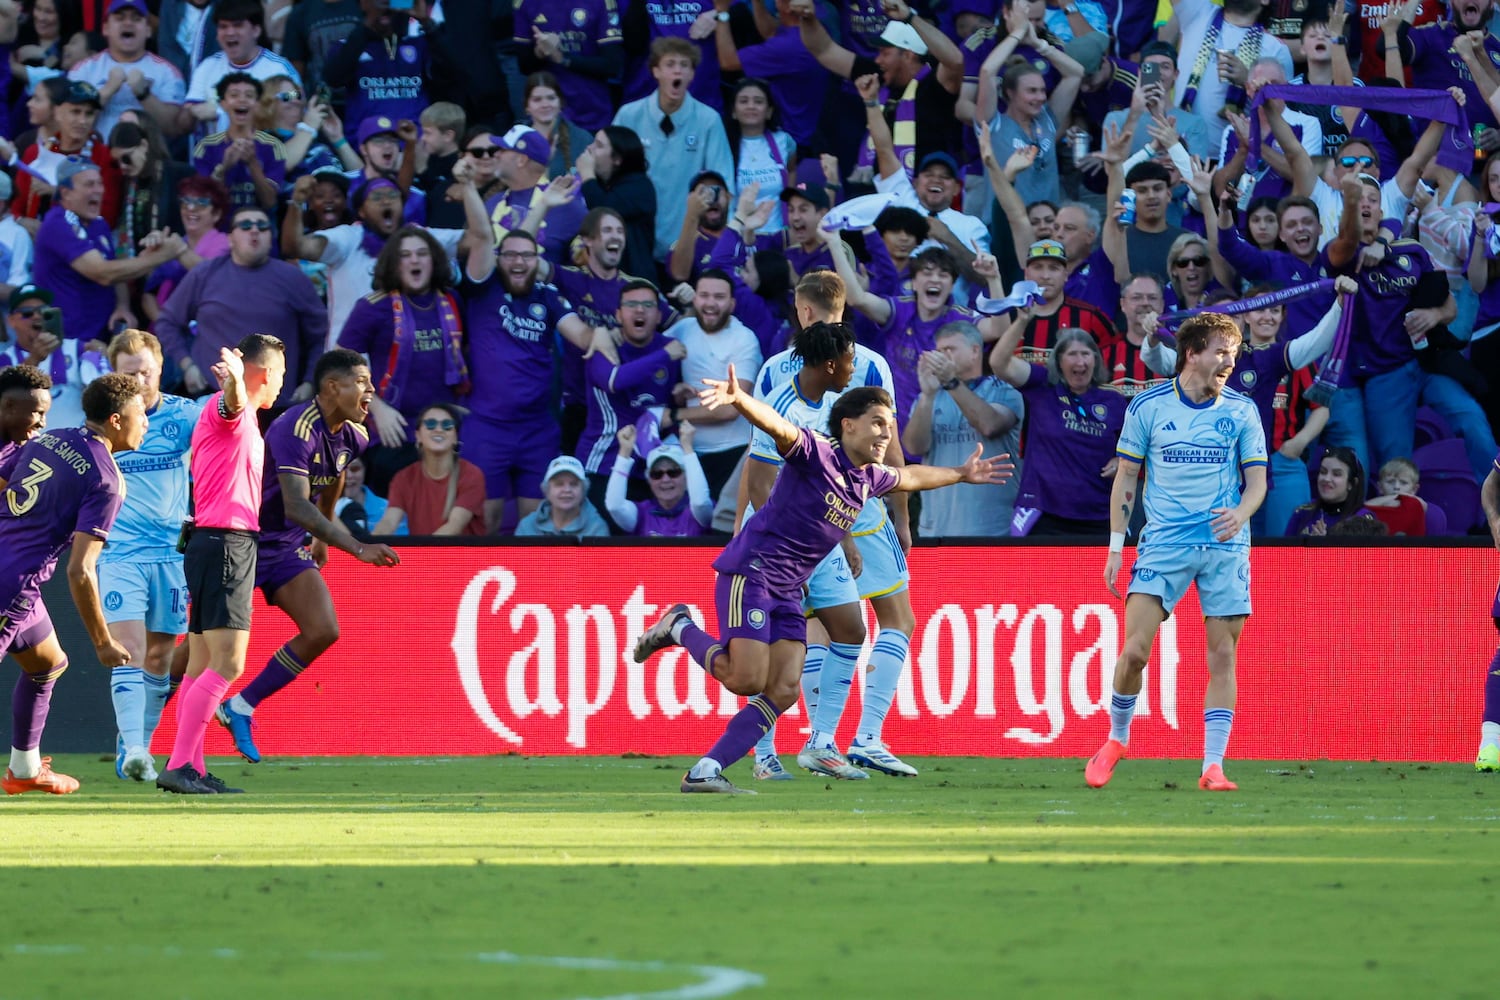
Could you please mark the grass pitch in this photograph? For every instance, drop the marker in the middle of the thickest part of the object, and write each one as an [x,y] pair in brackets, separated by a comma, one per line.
[594,877]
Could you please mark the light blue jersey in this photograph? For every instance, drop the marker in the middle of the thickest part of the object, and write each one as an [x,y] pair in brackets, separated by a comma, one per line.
[1194,455]
[156,476]
[776,386]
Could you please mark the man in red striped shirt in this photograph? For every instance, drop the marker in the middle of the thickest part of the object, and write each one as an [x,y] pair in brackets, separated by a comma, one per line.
[1047,265]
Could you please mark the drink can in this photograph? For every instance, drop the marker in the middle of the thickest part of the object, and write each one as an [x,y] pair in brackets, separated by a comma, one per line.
[1127,198]
[1080,146]
[1246,189]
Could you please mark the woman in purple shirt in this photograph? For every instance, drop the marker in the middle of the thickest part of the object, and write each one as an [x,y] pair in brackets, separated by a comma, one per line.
[680,504]
[1073,421]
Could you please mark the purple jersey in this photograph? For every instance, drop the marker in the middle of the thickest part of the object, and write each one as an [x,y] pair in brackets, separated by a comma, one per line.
[619,394]
[816,500]
[862,21]
[1068,441]
[209,154]
[62,239]
[596,300]
[59,484]
[583,28]
[1379,342]
[510,348]
[1258,374]
[655,521]
[298,443]
[371,329]
[392,79]
[1429,56]
[1283,270]
[905,337]
[509,210]
[797,81]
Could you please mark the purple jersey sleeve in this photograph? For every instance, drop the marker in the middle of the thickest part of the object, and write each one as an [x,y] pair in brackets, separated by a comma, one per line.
[293,452]
[97,513]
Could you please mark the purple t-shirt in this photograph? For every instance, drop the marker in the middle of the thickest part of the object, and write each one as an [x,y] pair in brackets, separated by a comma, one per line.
[370,329]
[60,483]
[1068,440]
[268,150]
[510,349]
[862,22]
[619,395]
[797,81]
[905,337]
[584,27]
[654,521]
[1435,66]
[298,443]
[1283,270]
[1257,374]
[816,500]
[557,229]
[85,304]
[390,81]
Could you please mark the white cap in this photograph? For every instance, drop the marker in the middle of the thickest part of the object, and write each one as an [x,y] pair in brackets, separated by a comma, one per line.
[903,36]
[857,213]
[670,452]
[565,463]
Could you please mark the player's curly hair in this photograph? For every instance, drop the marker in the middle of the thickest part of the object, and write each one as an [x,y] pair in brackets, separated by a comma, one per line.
[820,343]
[108,395]
[23,377]
[854,404]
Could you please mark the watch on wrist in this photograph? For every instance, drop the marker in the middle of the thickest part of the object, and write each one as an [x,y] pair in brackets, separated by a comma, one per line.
[722,17]
[950,385]
[1070,9]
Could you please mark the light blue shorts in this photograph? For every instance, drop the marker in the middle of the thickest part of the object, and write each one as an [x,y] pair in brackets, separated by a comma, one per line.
[1222,575]
[155,593]
[831,583]
[884,571]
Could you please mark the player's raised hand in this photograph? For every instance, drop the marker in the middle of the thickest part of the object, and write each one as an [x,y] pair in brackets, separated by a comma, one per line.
[720,393]
[377,555]
[982,471]
[1227,522]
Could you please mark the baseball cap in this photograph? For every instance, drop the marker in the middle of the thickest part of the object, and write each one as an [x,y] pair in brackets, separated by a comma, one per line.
[1158,49]
[139,6]
[903,36]
[939,157]
[29,292]
[71,167]
[815,193]
[565,463]
[528,142]
[1047,250]
[373,126]
[671,452]
[82,92]
[1088,50]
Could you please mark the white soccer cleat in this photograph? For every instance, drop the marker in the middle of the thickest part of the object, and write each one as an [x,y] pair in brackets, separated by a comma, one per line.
[139,764]
[876,757]
[770,769]
[828,761]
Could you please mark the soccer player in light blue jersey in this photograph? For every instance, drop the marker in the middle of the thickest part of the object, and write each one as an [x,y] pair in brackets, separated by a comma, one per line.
[140,571]
[1196,440]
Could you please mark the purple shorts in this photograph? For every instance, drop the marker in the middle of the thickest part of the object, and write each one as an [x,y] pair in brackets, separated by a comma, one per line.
[747,610]
[24,624]
[278,565]
[512,456]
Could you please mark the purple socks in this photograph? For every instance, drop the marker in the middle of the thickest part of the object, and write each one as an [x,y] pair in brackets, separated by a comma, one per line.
[29,702]
[748,726]
[280,670]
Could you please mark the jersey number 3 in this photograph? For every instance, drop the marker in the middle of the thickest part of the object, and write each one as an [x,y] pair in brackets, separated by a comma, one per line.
[19,505]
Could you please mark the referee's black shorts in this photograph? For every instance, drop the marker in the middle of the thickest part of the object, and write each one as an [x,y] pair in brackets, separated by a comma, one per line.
[220,569]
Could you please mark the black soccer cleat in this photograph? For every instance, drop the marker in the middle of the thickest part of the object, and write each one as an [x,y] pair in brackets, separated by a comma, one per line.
[217,786]
[184,780]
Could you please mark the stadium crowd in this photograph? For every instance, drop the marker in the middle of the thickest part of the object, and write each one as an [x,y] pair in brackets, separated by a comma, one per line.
[546,222]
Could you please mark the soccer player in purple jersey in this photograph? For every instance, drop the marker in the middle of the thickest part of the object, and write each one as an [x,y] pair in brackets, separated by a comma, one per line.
[1489,728]
[60,489]
[309,447]
[814,503]
[25,398]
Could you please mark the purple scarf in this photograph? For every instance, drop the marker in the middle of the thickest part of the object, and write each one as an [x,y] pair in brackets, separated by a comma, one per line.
[1167,323]
[403,341]
[1455,152]
[904,132]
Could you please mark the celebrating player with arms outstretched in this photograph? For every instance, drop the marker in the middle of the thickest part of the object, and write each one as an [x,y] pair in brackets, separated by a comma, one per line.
[817,496]
[1196,439]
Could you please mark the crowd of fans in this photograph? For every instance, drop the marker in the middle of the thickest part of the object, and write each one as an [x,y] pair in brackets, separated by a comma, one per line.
[545,222]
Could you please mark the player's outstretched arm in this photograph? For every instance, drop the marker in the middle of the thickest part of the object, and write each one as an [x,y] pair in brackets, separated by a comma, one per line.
[1121,506]
[297,497]
[731,392]
[978,470]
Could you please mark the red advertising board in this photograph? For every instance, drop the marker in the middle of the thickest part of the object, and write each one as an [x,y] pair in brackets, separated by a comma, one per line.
[1368,653]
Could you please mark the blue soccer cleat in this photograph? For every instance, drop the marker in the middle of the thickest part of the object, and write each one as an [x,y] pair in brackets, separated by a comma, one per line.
[238,725]
[119,757]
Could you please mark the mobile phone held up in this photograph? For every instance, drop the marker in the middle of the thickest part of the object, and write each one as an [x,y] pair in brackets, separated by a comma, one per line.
[1150,73]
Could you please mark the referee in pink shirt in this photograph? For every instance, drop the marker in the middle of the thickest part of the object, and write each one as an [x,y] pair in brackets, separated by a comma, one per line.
[228,456]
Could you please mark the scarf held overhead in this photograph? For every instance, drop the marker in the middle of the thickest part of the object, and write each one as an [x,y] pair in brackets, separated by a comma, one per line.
[1456,151]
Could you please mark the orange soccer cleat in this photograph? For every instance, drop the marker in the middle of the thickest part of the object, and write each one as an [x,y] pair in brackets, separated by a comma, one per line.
[1213,780]
[1101,766]
[46,780]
